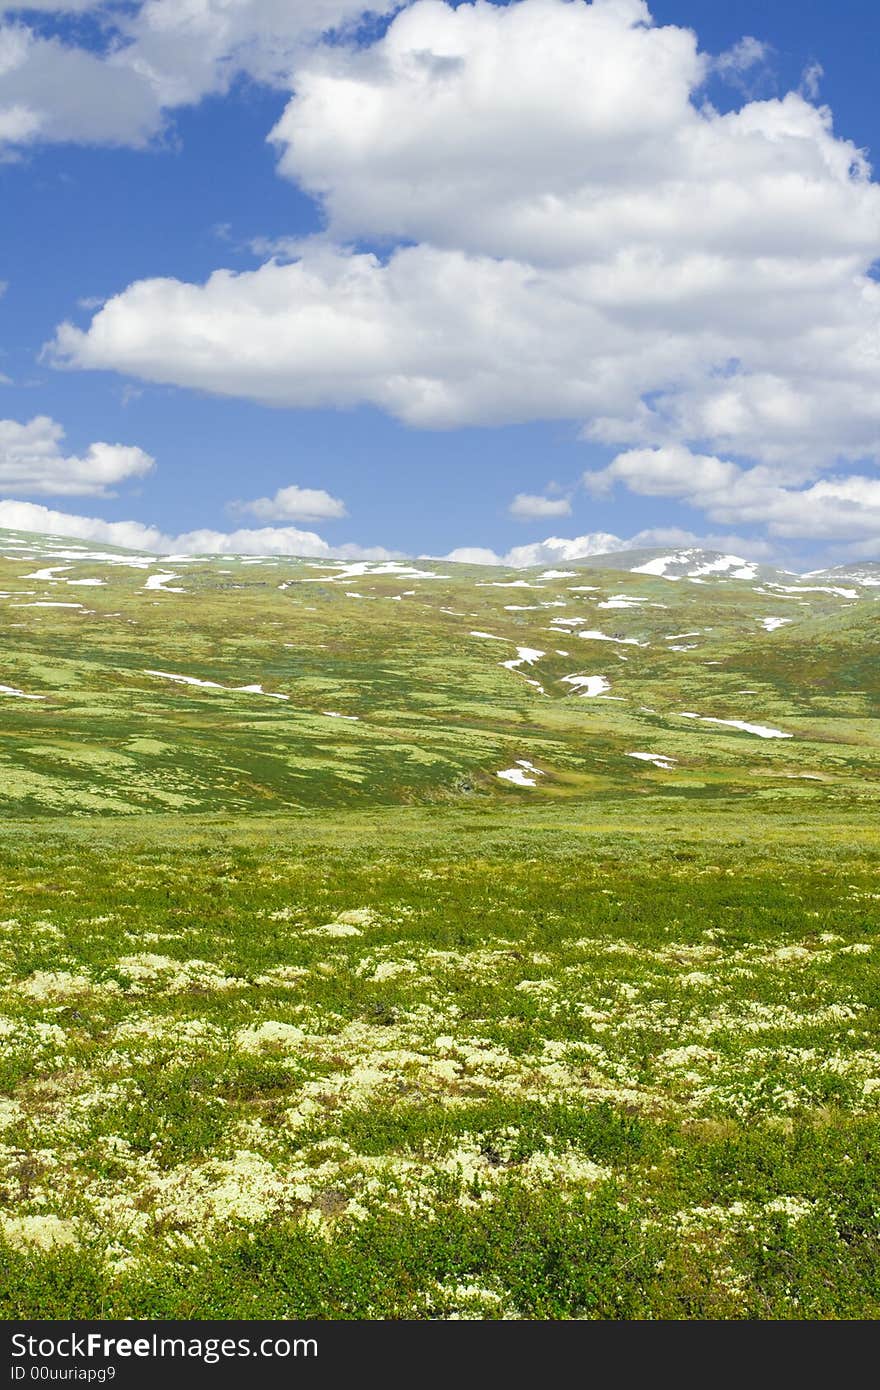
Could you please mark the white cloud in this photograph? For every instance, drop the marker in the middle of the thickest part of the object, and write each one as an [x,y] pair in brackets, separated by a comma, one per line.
[53,91]
[589,240]
[810,80]
[264,540]
[669,472]
[160,55]
[473,555]
[744,54]
[192,47]
[557,549]
[526,507]
[834,508]
[287,540]
[32,461]
[292,504]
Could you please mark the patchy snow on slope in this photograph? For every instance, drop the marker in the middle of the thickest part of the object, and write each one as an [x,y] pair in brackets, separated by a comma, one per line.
[517,775]
[86,583]
[734,565]
[558,574]
[657,567]
[20,694]
[158,584]
[762,730]
[814,589]
[771,624]
[185,680]
[257,690]
[45,603]
[603,637]
[693,564]
[46,574]
[489,636]
[524,656]
[215,685]
[588,685]
[334,714]
[363,569]
[535,607]
[620,601]
[658,759]
[505,584]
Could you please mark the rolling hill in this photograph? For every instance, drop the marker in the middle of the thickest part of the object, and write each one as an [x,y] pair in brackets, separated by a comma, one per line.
[133,683]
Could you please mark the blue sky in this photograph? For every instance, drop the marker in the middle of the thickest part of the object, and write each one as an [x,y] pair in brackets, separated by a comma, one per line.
[508,255]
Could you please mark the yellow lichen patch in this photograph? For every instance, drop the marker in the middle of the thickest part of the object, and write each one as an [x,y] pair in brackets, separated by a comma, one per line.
[43,1232]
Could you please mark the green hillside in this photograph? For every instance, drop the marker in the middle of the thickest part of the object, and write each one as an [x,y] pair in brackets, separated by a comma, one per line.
[353,966]
[242,685]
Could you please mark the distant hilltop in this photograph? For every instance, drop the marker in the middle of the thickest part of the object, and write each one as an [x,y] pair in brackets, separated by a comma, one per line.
[693,563]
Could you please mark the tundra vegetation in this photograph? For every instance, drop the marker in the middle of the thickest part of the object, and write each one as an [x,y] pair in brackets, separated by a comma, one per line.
[306,1010]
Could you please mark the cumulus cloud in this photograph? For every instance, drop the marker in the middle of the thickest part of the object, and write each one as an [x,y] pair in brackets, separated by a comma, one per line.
[473,555]
[526,507]
[134,535]
[584,238]
[53,91]
[834,508]
[32,461]
[292,504]
[556,549]
[159,55]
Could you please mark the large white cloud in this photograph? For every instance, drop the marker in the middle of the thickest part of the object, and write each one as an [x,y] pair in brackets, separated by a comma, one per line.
[263,540]
[592,241]
[834,508]
[159,55]
[53,91]
[32,461]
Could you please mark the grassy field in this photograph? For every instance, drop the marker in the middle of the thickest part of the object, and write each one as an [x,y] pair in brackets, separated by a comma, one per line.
[419,1065]
[311,1016]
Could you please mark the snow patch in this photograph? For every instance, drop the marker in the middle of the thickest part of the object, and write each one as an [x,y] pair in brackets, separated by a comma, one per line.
[603,637]
[20,694]
[518,775]
[588,685]
[158,584]
[658,759]
[762,730]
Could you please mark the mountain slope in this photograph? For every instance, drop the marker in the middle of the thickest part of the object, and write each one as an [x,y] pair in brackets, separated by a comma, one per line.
[130,682]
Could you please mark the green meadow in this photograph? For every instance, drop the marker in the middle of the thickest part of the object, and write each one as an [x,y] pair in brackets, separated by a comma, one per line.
[308,1011]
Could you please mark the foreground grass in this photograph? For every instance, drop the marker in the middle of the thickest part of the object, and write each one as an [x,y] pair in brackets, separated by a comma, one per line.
[440,1067]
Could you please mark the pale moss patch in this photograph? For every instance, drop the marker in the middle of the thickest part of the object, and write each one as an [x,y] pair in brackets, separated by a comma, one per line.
[43,1232]
[270,1036]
